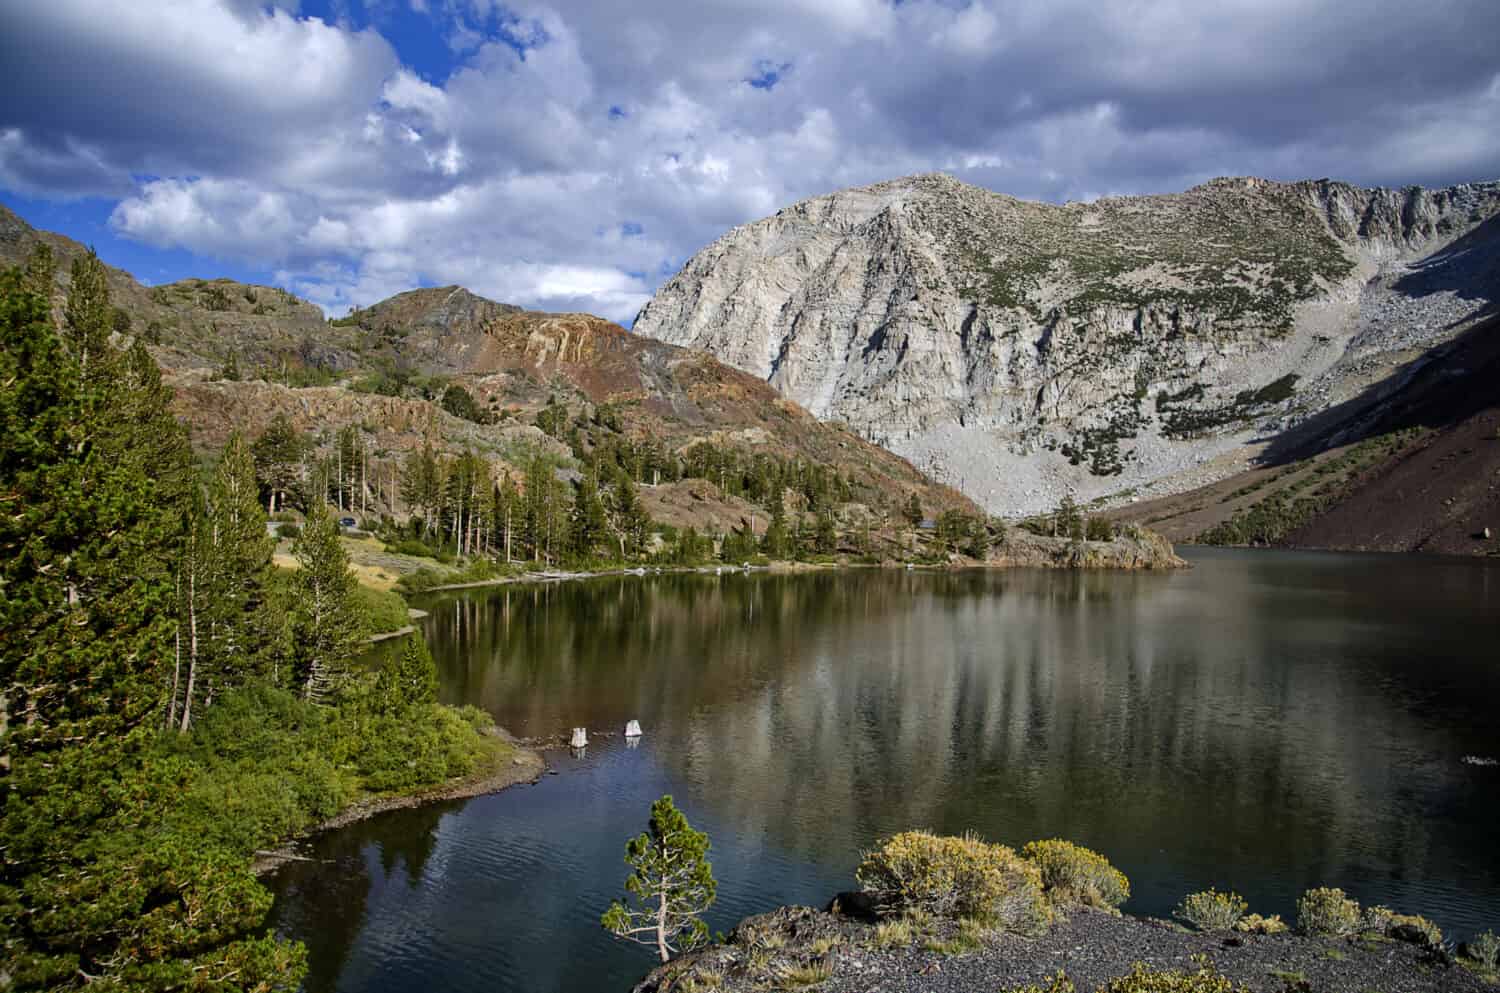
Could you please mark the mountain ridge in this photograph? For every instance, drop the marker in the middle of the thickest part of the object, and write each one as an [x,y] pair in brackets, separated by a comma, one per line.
[236,355]
[1024,350]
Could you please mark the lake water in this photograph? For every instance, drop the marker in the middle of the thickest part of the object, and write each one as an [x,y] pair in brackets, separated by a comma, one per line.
[1265,722]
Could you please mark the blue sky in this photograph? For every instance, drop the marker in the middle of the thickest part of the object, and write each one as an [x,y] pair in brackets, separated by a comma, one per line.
[572,155]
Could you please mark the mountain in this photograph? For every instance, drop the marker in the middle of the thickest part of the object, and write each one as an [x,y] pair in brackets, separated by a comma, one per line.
[1412,469]
[1129,347]
[237,355]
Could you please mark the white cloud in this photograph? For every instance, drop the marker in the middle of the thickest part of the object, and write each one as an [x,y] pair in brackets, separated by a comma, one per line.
[243,131]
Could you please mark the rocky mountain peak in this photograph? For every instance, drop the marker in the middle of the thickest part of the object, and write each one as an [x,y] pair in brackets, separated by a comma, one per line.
[1024,349]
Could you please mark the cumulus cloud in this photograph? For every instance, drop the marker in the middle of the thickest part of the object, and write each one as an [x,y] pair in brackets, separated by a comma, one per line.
[569,155]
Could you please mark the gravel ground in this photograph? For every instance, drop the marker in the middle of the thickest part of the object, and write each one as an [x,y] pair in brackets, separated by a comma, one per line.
[1090,946]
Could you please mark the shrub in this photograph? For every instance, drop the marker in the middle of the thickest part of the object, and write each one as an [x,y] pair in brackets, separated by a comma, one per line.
[955,877]
[380,610]
[893,933]
[1413,928]
[1485,949]
[1059,983]
[1100,529]
[289,531]
[1375,918]
[1326,912]
[1072,874]
[1212,910]
[1256,924]
[1141,979]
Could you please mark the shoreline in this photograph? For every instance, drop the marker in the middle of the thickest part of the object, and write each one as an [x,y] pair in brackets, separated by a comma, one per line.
[513,764]
[790,568]
[850,955]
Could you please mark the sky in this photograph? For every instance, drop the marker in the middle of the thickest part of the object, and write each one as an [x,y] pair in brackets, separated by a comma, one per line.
[571,155]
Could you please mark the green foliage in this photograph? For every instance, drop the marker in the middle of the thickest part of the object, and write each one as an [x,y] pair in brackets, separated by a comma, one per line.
[953,878]
[1485,949]
[279,455]
[1068,520]
[1326,912]
[478,571]
[1072,874]
[671,883]
[1212,911]
[97,886]
[1099,529]
[409,680]
[325,619]
[460,403]
[912,510]
[1276,515]
[380,610]
[231,628]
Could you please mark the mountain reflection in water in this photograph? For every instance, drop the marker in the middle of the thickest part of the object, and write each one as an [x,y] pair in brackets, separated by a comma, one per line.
[1264,722]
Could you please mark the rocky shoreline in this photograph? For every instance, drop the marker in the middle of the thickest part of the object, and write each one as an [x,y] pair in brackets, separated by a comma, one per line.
[514,764]
[799,947]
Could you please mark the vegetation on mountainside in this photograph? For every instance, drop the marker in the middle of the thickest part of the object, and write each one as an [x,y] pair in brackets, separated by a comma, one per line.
[1246,258]
[1272,517]
[168,701]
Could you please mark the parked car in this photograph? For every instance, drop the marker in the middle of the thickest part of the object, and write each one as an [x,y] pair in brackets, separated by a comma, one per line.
[347,522]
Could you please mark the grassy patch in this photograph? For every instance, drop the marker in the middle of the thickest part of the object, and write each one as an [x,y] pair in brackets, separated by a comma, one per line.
[380,610]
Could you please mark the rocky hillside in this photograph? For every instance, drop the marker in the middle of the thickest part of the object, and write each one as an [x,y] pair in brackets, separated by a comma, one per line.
[237,355]
[1423,476]
[1137,345]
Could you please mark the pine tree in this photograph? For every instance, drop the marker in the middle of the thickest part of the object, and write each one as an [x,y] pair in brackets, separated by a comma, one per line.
[775,542]
[408,681]
[588,521]
[88,319]
[325,628]
[670,885]
[95,473]
[827,538]
[41,272]
[912,510]
[229,627]
[279,455]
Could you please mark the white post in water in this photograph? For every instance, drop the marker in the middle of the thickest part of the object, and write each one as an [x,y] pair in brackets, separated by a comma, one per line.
[633,729]
[580,738]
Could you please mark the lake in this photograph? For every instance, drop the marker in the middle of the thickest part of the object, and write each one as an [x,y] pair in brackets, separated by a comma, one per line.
[1265,722]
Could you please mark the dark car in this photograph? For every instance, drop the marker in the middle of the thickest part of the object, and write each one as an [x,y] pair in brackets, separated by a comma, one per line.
[346,522]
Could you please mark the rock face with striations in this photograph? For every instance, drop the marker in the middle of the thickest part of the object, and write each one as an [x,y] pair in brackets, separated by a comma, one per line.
[1025,350]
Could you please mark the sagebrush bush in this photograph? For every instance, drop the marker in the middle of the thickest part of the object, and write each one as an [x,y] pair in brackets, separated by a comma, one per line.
[955,877]
[1058,983]
[1327,912]
[1072,874]
[1413,928]
[1256,924]
[1211,910]
[1142,979]
[1485,949]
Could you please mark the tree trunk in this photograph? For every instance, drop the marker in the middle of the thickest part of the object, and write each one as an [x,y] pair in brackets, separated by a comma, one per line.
[176,674]
[187,699]
[661,926]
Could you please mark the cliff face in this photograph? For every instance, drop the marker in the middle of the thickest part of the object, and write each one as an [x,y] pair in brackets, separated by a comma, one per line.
[1022,350]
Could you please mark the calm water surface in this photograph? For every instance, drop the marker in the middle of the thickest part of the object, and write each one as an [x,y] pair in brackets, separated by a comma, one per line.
[1265,721]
